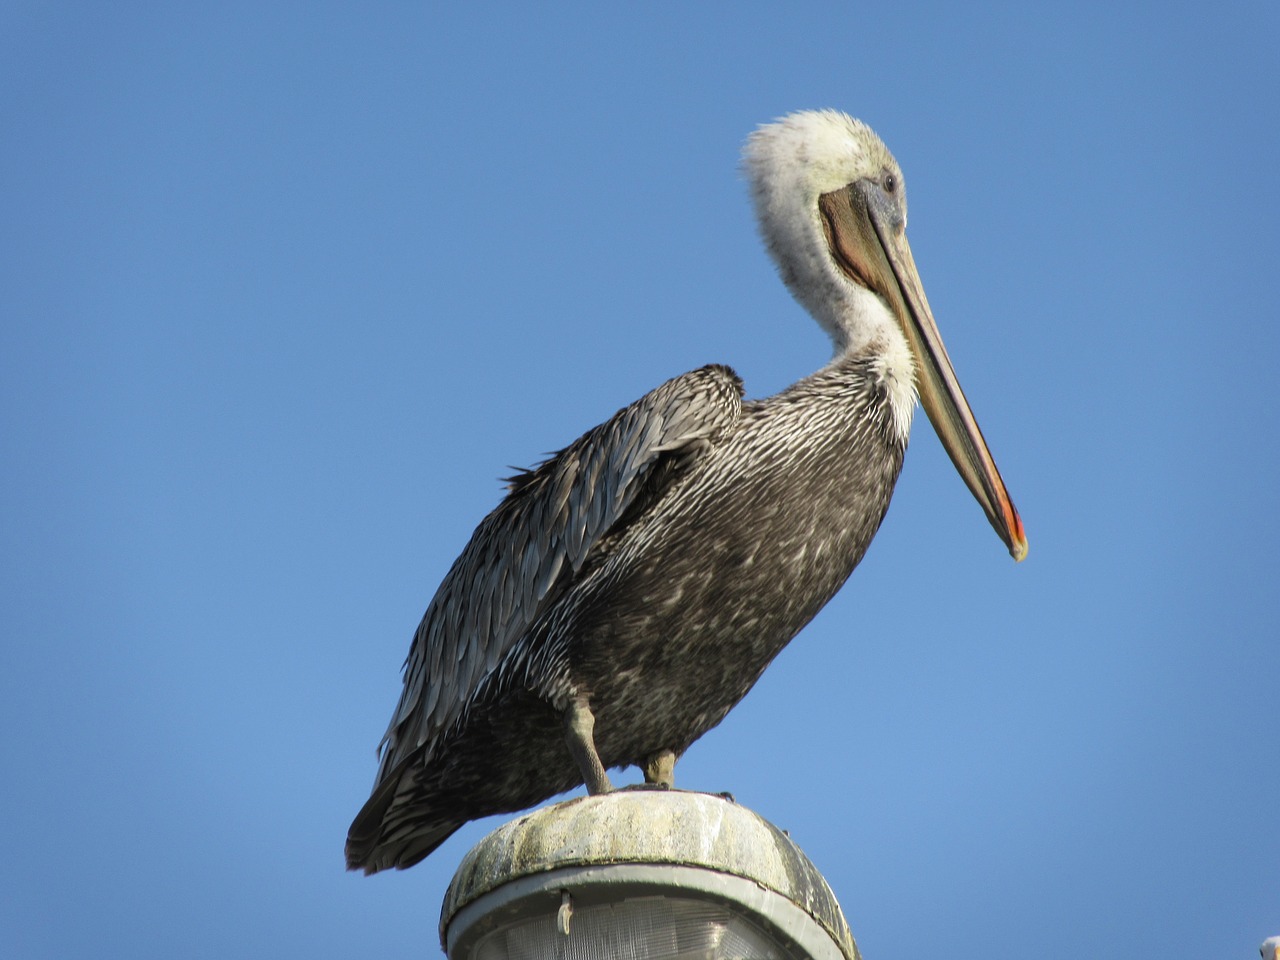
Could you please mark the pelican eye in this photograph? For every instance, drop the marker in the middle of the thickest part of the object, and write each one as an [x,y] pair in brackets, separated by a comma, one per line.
[890,183]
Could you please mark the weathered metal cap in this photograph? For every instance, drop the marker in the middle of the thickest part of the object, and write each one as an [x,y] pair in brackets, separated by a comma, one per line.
[646,841]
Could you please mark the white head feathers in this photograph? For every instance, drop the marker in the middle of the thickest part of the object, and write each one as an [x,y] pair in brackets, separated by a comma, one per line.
[798,158]
[790,163]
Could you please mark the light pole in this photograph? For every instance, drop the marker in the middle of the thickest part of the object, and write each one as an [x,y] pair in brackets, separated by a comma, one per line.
[642,875]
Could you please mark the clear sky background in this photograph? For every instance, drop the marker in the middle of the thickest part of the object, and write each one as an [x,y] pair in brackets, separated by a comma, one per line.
[286,288]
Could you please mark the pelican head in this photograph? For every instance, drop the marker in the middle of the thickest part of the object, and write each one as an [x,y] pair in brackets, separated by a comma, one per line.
[832,207]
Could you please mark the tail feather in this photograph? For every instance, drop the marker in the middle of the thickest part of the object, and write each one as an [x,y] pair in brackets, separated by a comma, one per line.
[397,827]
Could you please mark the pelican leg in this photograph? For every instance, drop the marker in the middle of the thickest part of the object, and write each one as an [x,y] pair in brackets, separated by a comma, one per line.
[660,769]
[579,726]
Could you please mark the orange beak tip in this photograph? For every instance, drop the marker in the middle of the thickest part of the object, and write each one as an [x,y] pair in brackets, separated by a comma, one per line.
[1018,548]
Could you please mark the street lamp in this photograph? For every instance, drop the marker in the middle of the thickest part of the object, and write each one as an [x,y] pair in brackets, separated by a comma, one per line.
[642,875]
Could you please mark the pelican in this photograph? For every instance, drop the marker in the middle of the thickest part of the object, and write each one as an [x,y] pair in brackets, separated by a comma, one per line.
[629,591]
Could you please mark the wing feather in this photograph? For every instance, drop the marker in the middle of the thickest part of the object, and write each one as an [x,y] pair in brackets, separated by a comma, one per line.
[536,540]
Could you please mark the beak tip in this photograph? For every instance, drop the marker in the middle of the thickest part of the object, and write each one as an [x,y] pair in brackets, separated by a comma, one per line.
[1018,538]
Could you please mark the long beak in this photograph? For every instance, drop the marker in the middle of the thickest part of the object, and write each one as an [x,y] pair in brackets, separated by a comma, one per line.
[939,389]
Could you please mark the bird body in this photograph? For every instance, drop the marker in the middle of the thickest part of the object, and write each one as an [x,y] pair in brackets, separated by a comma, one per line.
[737,556]
[630,590]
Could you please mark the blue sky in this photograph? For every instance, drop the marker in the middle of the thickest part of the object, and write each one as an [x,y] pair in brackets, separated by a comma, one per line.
[286,288]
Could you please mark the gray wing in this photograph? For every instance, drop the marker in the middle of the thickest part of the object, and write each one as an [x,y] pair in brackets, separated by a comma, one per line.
[538,539]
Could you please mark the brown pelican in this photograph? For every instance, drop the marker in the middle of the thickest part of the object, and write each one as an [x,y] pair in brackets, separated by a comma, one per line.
[632,588]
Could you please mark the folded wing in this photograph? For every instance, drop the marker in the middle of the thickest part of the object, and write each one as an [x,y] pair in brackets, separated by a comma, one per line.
[535,544]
